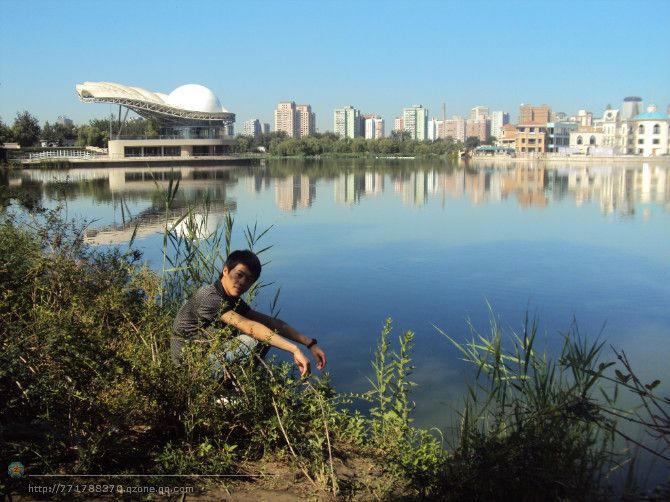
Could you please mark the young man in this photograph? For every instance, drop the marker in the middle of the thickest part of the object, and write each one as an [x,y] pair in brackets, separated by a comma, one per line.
[221,301]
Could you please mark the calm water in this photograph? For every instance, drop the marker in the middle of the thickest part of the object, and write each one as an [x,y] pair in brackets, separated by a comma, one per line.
[428,244]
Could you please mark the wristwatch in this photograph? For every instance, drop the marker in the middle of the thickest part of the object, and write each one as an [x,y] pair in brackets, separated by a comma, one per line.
[312,343]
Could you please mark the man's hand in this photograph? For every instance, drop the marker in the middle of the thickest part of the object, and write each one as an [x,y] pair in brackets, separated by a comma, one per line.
[319,356]
[301,362]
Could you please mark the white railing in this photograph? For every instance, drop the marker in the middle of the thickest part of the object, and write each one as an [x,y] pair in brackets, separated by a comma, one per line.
[61,154]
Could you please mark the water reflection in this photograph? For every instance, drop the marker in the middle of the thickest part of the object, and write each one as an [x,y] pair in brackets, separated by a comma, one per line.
[617,189]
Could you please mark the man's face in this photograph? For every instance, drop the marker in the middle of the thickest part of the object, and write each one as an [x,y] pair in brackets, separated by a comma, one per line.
[237,281]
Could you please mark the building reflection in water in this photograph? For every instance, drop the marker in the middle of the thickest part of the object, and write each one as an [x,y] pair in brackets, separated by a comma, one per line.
[617,189]
[348,188]
[295,192]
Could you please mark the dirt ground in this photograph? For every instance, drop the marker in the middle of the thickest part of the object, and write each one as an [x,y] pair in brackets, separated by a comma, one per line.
[358,479]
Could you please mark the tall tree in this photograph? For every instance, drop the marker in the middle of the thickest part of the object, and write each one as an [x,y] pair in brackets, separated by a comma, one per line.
[5,133]
[26,129]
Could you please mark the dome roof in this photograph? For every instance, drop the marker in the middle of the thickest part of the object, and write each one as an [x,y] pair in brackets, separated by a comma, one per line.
[195,97]
[651,116]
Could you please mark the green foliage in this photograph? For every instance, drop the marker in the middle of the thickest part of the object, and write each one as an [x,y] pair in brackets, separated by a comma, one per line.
[529,425]
[329,144]
[59,134]
[26,129]
[6,134]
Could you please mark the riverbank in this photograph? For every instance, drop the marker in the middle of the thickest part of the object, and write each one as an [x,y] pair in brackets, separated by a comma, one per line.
[567,160]
[90,388]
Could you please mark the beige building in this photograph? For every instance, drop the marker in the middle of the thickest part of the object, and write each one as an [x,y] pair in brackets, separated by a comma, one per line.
[295,120]
[531,115]
[531,139]
[508,136]
[478,128]
[285,118]
[306,120]
[455,128]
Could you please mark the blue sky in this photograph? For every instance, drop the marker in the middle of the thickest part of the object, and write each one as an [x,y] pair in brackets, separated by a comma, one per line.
[378,56]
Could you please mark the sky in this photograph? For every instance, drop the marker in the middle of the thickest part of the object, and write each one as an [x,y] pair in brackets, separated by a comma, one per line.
[377,56]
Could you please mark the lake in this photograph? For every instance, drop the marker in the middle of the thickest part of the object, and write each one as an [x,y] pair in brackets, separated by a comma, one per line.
[427,243]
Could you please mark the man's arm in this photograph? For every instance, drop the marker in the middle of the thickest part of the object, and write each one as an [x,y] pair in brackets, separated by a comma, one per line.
[288,331]
[264,334]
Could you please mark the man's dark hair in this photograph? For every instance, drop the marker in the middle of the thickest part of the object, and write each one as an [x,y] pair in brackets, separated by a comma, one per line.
[245,257]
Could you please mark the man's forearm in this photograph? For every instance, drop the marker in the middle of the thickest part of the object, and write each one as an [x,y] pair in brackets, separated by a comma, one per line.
[288,331]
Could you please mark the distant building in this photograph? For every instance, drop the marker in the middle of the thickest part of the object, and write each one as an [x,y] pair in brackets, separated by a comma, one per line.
[583,118]
[266,128]
[586,142]
[531,139]
[533,115]
[478,128]
[479,113]
[434,128]
[398,124]
[631,107]
[62,120]
[295,120]
[507,137]
[610,128]
[415,121]
[455,128]
[498,120]
[373,127]
[306,120]
[651,132]
[558,135]
[286,119]
[347,122]
[252,128]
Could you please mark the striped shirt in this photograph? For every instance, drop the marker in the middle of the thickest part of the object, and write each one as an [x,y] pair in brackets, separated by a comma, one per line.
[206,305]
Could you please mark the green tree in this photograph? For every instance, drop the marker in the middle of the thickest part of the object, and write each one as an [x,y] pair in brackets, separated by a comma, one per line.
[243,143]
[26,129]
[5,133]
[472,142]
[96,133]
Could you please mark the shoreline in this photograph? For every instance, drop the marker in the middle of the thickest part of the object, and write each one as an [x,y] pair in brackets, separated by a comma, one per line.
[568,160]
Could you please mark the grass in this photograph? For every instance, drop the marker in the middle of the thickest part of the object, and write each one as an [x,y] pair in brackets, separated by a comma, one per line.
[89,387]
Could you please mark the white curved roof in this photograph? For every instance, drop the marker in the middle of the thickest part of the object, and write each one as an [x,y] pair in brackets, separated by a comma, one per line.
[186,103]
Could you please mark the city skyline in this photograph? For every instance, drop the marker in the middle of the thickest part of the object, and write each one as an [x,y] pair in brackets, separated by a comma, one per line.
[247,57]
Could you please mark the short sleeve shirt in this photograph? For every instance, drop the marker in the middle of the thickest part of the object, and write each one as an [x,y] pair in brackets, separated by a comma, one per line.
[206,305]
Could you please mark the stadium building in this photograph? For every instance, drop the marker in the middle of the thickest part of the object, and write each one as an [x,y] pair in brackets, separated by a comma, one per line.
[191,120]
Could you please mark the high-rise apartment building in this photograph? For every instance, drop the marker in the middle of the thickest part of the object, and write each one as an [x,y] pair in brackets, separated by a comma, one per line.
[479,113]
[286,119]
[479,128]
[455,128]
[347,122]
[498,120]
[295,120]
[398,124]
[252,128]
[306,120]
[415,121]
[373,127]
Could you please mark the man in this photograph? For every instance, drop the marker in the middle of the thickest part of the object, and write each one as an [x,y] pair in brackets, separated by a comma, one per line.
[222,300]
